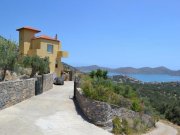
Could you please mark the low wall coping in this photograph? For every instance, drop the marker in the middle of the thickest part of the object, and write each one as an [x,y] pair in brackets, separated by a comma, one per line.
[18,80]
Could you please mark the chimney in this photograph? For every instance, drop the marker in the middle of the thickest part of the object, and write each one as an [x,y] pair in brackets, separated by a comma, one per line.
[56,37]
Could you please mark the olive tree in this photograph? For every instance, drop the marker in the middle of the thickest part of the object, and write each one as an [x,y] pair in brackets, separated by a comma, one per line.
[8,56]
[99,74]
[37,64]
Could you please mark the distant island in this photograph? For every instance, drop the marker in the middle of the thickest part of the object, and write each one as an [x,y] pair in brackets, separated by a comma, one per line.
[131,70]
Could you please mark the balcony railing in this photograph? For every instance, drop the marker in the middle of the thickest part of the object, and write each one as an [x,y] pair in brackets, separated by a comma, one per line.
[62,54]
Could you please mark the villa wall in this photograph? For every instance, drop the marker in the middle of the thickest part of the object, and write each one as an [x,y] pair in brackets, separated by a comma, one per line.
[13,92]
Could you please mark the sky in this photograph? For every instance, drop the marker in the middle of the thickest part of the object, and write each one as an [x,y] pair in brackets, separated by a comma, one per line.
[110,33]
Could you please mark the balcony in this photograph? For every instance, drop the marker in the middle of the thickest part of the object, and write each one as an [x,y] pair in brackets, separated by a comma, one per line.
[62,54]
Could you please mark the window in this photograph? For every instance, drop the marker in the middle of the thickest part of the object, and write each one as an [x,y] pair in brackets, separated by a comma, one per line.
[50,48]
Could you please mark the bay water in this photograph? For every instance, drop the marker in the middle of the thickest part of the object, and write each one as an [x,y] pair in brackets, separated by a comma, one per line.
[151,77]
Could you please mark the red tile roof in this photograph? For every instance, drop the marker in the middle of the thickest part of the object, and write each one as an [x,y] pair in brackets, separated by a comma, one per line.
[29,28]
[46,37]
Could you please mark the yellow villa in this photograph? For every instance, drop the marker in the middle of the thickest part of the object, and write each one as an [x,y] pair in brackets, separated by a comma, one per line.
[43,46]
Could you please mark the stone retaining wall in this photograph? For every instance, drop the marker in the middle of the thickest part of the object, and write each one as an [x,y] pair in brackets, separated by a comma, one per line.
[43,83]
[47,82]
[102,114]
[97,112]
[13,92]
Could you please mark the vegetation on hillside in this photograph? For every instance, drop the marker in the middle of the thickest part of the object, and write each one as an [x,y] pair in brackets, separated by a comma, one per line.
[98,87]
[8,56]
[163,97]
[121,126]
[98,74]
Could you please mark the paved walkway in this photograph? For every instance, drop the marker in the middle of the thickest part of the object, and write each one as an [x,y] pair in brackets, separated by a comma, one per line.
[163,129]
[51,113]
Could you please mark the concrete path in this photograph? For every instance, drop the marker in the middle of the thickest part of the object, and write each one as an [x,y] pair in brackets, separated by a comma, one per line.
[163,129]
[51,113]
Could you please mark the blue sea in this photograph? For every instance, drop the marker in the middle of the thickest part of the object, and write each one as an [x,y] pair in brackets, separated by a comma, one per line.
[152,78]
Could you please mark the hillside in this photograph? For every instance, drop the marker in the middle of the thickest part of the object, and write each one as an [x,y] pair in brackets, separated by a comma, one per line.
[69,67]
[131,70]
[92,67]
[2,38]
[164,98]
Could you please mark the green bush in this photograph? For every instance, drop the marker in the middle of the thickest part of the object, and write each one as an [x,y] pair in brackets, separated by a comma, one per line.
[8,55]
[136,106]
[121,126]
[126,128]
[139,126]
[117,94]
[44,68]
[99,74]
[117,126]
[37,64]
[92,74]
[173,113]
[161,99]
[129,92]
[99,89]
[105,90]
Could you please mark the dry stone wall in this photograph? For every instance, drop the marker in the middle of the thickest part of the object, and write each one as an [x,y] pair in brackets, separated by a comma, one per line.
[102,114]
[43,83]
[47,82]
[97,112]
[13,92]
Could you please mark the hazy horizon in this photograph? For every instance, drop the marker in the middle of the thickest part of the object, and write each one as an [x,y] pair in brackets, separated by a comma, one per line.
[120,66]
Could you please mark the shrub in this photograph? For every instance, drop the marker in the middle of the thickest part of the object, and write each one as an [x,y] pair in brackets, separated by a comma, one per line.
[8,55]
[173,113]
[126,128]
[129,92]
[117,126]
[136,106]
[104,74]
[121,126]
[92,74]
[117,94]
[99,89]
[139,126]
[99,74]
[44,68]
[38,65]
[107,91]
